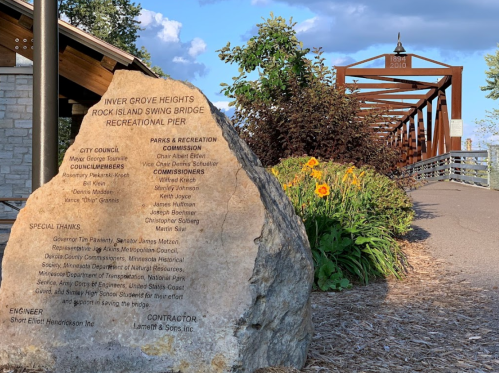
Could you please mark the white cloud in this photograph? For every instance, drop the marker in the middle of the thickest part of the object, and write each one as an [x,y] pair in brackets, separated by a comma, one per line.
[354,25]
[198,46]
[169,30]
[260,2]
[222,105]
[177,57]
[342,61]
[146,17]
[306,25]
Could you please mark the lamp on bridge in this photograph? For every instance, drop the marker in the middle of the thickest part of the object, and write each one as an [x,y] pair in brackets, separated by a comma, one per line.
[399,49]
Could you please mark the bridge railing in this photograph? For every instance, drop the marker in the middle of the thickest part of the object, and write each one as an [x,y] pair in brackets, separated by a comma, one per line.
[469,167]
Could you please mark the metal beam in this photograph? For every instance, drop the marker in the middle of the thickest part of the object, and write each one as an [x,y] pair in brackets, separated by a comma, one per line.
[391,96]
[414,83]
[434,71]
[45,92]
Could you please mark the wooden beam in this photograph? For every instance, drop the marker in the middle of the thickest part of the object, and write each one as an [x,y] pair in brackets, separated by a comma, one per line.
[84,70]
[26,22]
[10,31]
[108,63]
[73,65]
[7,57]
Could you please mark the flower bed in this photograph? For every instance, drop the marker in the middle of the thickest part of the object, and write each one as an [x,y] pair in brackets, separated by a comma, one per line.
[351,216]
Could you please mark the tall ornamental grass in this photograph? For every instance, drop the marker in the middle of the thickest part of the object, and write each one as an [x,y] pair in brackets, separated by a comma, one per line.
[351,217]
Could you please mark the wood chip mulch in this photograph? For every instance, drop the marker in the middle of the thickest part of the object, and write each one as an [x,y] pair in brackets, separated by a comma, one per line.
[428,322]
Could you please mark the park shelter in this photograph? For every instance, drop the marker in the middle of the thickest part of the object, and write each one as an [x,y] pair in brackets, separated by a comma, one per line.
[86,68]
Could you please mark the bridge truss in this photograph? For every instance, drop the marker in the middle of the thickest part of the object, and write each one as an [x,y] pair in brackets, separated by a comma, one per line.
[412,104]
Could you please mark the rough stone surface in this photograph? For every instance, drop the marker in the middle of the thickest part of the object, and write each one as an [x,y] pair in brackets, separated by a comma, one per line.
[162,245]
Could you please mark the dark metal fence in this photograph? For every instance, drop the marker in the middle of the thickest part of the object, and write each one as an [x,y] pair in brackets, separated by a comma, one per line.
[469,167]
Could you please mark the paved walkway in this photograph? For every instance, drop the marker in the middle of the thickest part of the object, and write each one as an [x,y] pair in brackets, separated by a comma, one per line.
[461,225]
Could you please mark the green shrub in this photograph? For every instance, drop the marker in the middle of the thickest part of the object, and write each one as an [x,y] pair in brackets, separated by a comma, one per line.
[351,216]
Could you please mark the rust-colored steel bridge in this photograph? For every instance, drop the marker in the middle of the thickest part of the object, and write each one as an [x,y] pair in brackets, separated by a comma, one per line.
[409,118]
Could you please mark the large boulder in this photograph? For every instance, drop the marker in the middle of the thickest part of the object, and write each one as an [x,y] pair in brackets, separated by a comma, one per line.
[161,245]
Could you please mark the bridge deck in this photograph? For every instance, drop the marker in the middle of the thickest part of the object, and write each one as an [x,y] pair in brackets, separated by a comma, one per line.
[461,225]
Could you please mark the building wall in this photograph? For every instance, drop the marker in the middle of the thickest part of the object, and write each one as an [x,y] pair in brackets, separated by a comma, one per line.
[16,113]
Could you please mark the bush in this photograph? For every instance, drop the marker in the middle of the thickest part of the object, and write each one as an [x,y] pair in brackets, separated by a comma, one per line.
[351,216]
[294,106]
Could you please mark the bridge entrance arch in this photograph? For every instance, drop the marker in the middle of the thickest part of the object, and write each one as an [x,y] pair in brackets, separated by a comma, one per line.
[413,100]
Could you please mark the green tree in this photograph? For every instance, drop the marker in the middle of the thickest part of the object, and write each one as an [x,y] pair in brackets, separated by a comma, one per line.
[275,52]
[293,107]
[64,137]
[114,21]
[487,129]
[492,79]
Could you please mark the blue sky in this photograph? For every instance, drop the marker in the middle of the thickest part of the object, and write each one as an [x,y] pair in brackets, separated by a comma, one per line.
[183,36]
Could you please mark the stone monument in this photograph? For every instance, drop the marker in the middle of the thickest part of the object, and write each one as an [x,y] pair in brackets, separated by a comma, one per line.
[161,246]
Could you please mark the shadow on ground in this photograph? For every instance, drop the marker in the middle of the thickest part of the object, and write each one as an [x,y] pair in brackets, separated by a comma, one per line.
[425,210]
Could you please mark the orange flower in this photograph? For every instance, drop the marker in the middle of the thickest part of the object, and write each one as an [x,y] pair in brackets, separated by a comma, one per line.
[316,174]
[349,171]
[312,162]
[285,186]
[322,190]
